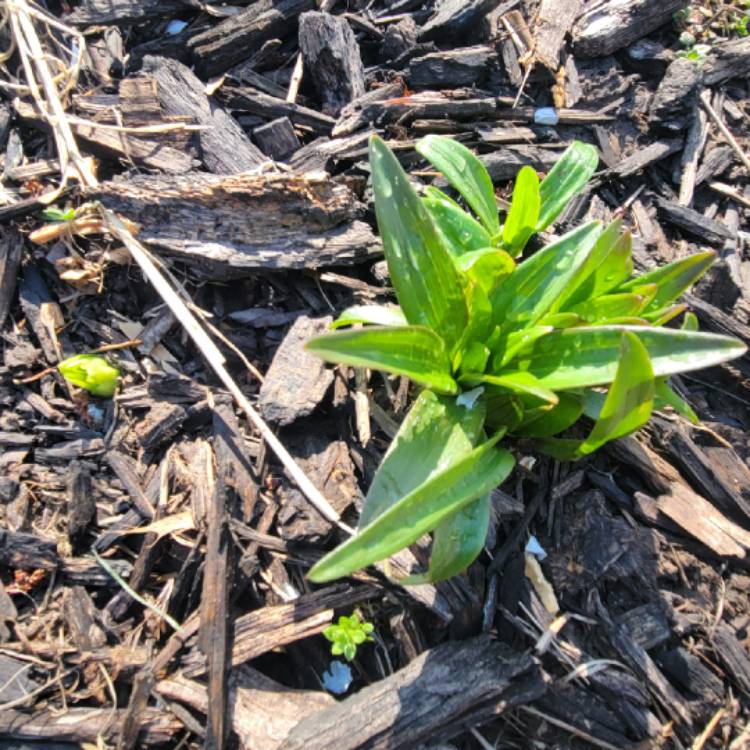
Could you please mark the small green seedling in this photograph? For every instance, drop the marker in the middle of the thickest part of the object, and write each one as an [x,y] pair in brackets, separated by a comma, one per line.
[90,372]
[347,634]
[55,214]
[502,348]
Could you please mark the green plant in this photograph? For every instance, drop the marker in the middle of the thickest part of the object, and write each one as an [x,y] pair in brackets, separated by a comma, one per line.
[502,349]
[91,372]
[347,634]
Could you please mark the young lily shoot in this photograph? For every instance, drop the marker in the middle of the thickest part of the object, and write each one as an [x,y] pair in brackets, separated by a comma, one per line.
[503,346]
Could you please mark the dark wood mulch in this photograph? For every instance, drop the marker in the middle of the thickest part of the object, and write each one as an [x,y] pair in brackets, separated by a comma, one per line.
[153,549]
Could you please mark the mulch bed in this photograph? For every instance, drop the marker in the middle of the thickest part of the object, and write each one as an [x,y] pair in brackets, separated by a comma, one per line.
[153,547]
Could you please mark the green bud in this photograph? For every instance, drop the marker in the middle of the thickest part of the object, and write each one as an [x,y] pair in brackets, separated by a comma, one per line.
[91,372]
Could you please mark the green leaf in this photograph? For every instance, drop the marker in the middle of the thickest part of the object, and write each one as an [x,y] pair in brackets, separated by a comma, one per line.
[436,432]
[627,407]
[606,266]
[565,180]
[690,322]
[422,510]
[547,421]
[379,315]
[579,357]
[508,345]
[55,214]
[517,382]
[480,324]
[413,351]
[665,396]
[466,174]
[457,542]
[90,372]
[427,283]
[522,218]
[533,288]
[350,651]
[488,266]
[608,306]
[673,279]
[461,232]
[663,316]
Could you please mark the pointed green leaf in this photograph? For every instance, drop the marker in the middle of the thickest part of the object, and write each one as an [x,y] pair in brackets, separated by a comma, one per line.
[673,279]
[627,407]
[466,174]
[551,420]
[413,351]
[488,265]
[533,288]
[427,283]
[522,218]
[663,316]
[508,345]
[665,396]
[606,266]
[690,322]
[461,232]
[518,382]
[422,510]
[435,433]
[565,180]
[609,306]
[579,357]
[379,315]
[457,542]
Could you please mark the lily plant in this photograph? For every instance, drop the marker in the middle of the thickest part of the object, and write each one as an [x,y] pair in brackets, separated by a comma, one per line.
[502,348]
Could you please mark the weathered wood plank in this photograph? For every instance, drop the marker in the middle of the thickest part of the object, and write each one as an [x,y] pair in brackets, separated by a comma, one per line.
[465,66]
[227,225]
[614,24]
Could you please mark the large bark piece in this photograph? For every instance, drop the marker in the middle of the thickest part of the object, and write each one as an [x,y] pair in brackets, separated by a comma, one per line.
[236,38]
[454,17]
[615,24]
[332,58]
[466,66]
[228,225]
[297,380]
[438,695]
[727,60]
[224,146]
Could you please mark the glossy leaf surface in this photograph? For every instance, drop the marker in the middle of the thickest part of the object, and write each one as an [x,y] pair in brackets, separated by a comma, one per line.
[532,289]
[579,357]
[422,510]
[413,351]
[466,174]
[427,282]
[627,407]
[379,315]
[523,216]
[462,232]
[565,180]
[435,433]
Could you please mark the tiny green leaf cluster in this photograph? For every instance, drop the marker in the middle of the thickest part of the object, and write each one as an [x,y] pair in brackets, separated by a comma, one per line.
[503,348]
[347,634]
[90,372]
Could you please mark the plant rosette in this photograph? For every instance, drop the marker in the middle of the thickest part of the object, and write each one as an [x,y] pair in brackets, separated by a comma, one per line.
[502,348]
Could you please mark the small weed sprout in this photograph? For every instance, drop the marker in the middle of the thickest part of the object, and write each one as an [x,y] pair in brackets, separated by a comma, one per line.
[92,373]
[347,634]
